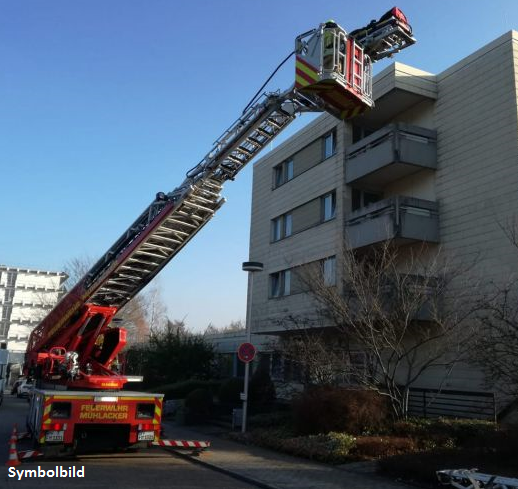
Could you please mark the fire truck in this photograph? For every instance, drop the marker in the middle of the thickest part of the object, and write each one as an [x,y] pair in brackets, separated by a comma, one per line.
[72,354]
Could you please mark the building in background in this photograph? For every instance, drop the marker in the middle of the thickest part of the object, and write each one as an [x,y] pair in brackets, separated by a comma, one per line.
[26,296]
[435,162]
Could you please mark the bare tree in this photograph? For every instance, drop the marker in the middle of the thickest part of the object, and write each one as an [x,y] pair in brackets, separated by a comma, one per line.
[401,310]
[495,348]
[237,326]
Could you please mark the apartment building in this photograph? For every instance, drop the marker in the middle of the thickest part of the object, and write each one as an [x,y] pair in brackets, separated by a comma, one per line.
[436,161]
[26,296]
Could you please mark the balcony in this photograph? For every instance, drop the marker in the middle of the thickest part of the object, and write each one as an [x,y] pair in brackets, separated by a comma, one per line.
[394,152]
[404,219]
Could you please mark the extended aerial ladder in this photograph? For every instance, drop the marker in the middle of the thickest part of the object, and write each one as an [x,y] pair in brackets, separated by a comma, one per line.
[75,346]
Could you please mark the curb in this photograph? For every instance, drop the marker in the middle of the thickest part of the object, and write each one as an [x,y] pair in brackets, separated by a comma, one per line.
[230,473]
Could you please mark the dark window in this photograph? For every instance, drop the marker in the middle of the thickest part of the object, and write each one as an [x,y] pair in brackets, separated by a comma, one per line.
[280,283]
[362,198]
[360,132]
[282,227]
[329,270]
[282,173]
[329,144]
[328,206]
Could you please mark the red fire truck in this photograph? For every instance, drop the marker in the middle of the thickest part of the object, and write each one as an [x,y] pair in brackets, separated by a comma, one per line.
[72,353]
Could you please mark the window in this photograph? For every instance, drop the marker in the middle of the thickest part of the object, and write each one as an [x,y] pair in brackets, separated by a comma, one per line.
[329,271]
[360,132]
[276,229]
[282,173]
[328,204]
[362,198]
[287,225]
[329,144]
[282,227]
[280,283]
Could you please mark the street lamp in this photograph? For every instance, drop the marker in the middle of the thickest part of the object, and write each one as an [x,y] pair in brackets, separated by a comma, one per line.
[250,267]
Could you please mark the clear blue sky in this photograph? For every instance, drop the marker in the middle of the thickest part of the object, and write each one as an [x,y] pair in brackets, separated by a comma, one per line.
[104,103]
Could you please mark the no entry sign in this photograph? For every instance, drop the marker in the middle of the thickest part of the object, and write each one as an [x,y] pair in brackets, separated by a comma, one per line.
[246,352]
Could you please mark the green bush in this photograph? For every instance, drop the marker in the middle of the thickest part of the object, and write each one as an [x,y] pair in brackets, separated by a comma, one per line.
[326,409]
[446,432]
[374,447]
[180,390]
[230,390]
[198,404]
[331,447]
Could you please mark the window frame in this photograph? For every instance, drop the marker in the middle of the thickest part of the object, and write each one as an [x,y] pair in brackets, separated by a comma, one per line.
[282,281]
[325,138]
[283,173]
[329,195]
[329,281]
[279,227]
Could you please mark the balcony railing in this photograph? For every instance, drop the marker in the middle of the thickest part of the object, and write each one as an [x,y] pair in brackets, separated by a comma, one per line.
[394,152]
[404,219]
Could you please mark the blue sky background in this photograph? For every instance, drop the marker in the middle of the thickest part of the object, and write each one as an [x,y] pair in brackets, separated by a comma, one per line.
[104,103]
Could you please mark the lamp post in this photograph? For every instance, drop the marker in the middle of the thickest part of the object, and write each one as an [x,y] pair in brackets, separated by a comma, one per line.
[250,267]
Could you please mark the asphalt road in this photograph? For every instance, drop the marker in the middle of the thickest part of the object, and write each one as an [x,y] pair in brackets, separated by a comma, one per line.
[153,468]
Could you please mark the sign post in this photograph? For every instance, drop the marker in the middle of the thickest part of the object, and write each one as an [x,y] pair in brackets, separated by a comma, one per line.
[246,351]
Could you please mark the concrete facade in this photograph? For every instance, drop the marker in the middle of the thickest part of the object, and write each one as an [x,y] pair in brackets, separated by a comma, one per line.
[26,296]
[438,155]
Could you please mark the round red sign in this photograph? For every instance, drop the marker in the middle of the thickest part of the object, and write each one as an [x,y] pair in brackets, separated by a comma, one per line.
[246,352]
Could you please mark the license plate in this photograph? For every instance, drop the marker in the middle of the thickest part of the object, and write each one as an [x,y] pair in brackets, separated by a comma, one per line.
[54,435]
[146,435]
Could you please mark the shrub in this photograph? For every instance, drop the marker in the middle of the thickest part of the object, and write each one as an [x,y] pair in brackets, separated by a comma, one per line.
[230,390]
[261,389]
[444,432]
[326,409]
[370,447]
[331,447]
[180,390]
[199,405]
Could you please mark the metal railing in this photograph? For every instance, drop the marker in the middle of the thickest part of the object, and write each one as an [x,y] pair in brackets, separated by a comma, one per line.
[430,403]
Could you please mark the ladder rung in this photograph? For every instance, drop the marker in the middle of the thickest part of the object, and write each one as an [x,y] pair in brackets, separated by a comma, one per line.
[203,200]
[191,216]
[166,238]
[273,123]
[234,159]
[104,289]
[264,132]
[182,223]
[127,267]
[148,253]
[243,150]
[159,247]
[188,203]
[133,259]
[254,142]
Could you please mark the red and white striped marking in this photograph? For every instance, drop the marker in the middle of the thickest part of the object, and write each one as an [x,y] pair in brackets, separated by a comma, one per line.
[181,443]
[26,454]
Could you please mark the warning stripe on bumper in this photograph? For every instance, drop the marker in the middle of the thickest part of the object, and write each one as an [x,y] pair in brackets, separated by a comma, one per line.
[181,443]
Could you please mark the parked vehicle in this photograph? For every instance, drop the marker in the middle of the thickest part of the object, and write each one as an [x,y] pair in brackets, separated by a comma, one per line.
[4,358]
[16,385]
[25,388]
